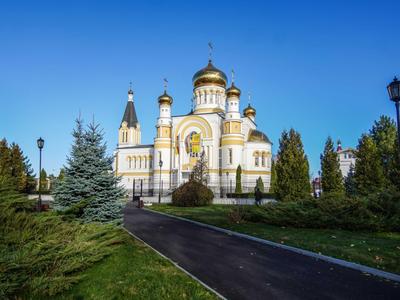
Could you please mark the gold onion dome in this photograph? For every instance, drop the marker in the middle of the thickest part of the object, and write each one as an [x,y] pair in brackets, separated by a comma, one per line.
[209,75]
[249,111]
[165,99]
[233,91]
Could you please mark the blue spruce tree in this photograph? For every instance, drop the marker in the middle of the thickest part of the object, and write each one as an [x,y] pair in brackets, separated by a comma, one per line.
[89,178]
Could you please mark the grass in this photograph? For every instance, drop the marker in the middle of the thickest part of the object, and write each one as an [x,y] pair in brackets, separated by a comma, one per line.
[134,271]
[51,256]
[375,249]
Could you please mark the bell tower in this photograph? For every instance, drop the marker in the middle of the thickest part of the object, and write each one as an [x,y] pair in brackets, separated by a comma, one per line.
[129,130]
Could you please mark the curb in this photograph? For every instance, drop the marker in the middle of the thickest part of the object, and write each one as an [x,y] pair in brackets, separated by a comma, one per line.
[337,261]
[176,265]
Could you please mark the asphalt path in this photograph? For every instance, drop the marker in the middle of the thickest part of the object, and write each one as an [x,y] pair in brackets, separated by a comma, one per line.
[239,268]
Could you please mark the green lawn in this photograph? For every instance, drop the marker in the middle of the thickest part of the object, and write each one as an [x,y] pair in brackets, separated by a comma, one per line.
[375,249]
[134,271]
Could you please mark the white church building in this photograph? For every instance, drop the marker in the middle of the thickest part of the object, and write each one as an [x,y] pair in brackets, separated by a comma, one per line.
[215,126]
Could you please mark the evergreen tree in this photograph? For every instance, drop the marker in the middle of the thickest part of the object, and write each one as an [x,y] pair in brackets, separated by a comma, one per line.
[384,134]
[61,175]
[260,184]
[331,178]
[43,180]
[394,168]
[238,188]
[349,183]
[30,182]
[292,169]
[369,174]
[273,177]
[5,160]
[89,177]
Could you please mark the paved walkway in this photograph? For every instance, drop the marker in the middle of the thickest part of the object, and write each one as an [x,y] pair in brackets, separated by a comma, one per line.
[242,269]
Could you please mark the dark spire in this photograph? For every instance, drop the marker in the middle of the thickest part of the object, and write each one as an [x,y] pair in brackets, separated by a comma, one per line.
[130,113]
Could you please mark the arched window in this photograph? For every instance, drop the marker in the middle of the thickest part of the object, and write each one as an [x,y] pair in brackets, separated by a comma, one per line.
[150,162]
[263,159]
[256,159]
[145,162]
[140,162]
[135,161]
[130,162]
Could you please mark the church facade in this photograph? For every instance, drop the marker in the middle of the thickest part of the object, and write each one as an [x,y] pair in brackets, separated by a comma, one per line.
[215,127]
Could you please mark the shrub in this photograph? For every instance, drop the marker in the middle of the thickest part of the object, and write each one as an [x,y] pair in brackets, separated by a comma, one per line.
[192,193]
[41,254]
[381,212]
[250,195]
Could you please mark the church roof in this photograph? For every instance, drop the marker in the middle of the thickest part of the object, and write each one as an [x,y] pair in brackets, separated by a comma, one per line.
[258,136]
[130,115]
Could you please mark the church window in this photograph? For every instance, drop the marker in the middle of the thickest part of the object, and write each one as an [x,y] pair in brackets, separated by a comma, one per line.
[145,162]
[130,162]
[140,162]
[150,162]
[135,161]
[263,159]
[257,160]
[230,155]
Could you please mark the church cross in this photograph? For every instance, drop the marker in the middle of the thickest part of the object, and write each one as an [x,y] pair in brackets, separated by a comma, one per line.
[165,84]
[210,49]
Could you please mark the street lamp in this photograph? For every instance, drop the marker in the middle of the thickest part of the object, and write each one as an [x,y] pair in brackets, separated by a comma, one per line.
[394,95]
[160,163]
[40,144]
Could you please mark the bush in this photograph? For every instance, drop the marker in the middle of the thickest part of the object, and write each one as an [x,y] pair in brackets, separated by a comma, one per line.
[250,195]
[192,193]
[334,211]
[41,254]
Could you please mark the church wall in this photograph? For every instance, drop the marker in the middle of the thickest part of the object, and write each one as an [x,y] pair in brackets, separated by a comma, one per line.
[250,169]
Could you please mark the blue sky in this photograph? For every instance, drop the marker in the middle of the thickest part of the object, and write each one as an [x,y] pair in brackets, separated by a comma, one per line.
[319,66]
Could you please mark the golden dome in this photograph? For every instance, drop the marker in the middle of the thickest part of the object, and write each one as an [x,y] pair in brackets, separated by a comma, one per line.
[249,111]
[257,136]
[165,99]
[233,91]
[209,75]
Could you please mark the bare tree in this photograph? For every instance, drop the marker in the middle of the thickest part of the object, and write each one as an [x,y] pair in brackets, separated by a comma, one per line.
[200,170]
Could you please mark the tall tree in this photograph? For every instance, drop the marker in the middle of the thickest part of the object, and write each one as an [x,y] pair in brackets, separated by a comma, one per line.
[30,182]
[384,134]
[17,167]
[292,169]
[5,160]
[331,177]
[89,177]
[238,187]
[349,182]
[43,180]
[273,177]
[369,174]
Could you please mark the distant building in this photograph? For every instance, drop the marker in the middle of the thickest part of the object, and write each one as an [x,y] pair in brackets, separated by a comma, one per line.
[346,158]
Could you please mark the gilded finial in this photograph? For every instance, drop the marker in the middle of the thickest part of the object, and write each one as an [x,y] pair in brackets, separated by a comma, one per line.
[165,84]
[210,49]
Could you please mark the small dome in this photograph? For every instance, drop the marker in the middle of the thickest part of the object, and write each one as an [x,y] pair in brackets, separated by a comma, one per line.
[233,91]
[257,136]
[209,75]
[165,99]
[249,111]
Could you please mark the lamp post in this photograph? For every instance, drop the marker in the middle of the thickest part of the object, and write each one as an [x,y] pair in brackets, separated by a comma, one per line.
[160,163]
[227,189]
[394,95]
[40,144]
